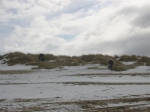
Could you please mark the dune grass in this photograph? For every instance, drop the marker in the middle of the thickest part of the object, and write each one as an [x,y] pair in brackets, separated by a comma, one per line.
[52,61]
[128,58]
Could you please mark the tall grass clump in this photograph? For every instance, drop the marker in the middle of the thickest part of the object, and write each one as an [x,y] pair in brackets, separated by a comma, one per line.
[145,60]
[97,58]
[19,58]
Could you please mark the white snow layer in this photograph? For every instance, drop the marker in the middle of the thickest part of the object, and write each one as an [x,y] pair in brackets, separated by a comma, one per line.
[15,67]
[59,83]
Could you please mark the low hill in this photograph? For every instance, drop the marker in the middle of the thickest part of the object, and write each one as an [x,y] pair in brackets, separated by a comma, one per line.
[51,61]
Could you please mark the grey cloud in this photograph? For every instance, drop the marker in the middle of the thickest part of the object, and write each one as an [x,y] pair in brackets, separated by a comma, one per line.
[138,44]
[141,15]
[143,20]
[128,10]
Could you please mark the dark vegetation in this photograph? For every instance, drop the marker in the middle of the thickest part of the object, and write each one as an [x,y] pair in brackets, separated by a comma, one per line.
[52,61]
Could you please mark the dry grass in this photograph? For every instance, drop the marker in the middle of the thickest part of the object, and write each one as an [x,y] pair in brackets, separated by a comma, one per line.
[19,58]
[27,100]
[128,58]
[101,83]
[52,61]
[1,100]
[118,66]
[98,58]
[32,109]
[1,57]
[15,71]
[146,60]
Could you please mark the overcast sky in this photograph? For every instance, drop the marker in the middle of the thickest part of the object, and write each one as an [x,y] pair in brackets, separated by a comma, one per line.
[75,27]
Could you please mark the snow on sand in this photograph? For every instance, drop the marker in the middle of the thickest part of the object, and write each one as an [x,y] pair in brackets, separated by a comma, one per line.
[69,84]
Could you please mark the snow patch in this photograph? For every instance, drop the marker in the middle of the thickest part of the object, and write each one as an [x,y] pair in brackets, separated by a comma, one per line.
[128,63]
[15,67]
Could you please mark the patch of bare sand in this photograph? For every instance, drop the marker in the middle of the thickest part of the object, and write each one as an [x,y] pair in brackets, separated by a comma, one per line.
[121,105]
[15,71]
[106,83]
[81,83]
[113,74]
[102,105]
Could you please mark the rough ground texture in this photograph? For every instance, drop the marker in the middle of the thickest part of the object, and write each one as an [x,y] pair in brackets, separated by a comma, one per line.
[75,89]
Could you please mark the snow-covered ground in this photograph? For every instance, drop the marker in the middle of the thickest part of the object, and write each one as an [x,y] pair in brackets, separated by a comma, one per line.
[69,84]
[15,67]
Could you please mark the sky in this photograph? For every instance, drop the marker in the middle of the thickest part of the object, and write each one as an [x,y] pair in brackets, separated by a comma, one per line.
[75,27]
